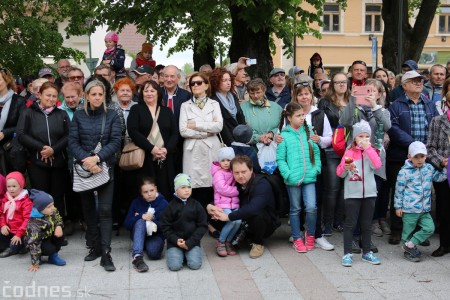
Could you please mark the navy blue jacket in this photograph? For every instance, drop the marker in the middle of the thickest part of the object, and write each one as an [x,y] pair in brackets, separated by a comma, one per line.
[180,96]
[250,152]
[84,134]
[285,96]
[400,132]
[140,207]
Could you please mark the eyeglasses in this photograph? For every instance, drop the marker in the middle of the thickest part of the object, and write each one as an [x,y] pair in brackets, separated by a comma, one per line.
[416,80]
[359,62]
[75,78]
[194,83]
[340,82]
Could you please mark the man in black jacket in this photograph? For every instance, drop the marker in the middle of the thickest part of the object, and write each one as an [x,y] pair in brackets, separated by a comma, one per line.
[257,205]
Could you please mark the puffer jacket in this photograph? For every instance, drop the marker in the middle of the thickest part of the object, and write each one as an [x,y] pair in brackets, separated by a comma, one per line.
[225,192]
[85,131]
[366,162]
[36,129]
[413,187]
[16,108]
[293,157]
[18,224]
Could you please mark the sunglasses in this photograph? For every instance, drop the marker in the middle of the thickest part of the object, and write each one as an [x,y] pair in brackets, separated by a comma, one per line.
[74,78]
[194,83]
[359,62]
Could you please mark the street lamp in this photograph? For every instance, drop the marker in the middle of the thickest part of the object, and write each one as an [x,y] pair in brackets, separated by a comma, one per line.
[90,62]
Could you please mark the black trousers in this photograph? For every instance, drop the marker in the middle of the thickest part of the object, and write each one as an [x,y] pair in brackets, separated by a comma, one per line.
[51,245]
[442,190]
[259,227]
[392,170]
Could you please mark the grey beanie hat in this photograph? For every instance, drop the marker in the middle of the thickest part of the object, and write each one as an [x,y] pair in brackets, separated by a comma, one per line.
[361,126]
[243,134]
[226,153]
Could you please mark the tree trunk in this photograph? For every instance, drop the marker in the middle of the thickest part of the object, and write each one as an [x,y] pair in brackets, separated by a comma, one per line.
[413,38]
[246,42]
[204,55]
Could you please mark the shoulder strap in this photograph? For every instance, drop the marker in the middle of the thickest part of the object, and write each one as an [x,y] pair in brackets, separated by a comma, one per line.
[103,126]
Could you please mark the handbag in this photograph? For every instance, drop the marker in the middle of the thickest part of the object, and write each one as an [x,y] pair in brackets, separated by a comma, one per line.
[132,157]
[83,179]
[222,144]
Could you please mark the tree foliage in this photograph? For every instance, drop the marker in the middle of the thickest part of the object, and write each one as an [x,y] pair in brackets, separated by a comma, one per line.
[29,31]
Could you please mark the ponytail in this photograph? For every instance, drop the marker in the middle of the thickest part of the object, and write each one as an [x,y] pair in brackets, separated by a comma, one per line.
[283,117]
[308,134]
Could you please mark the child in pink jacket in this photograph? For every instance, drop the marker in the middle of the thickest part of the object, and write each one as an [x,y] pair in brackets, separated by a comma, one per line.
[360,191]
[225,197]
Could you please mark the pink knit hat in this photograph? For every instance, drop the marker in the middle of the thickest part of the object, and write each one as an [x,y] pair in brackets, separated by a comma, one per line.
[112,36]
[18,177]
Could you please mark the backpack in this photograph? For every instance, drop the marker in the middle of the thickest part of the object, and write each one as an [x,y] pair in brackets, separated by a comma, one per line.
[279,191]
[339,141]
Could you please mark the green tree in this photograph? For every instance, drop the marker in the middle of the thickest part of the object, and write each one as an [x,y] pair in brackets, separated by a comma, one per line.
[29,31]
[188,68]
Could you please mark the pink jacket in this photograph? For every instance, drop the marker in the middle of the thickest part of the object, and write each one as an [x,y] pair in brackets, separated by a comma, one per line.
[225,192]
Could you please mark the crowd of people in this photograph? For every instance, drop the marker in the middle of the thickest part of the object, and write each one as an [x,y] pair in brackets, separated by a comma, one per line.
[223,154]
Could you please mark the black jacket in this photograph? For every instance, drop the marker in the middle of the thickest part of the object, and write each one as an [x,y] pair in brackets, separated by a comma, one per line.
[85,131]
[331,110]
[15,109]
[183,220]
[36,130]
[229,123]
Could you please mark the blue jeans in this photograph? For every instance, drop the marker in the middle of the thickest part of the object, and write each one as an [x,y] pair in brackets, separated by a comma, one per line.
[229,230]
[307,193]
[153,244]
[175,257]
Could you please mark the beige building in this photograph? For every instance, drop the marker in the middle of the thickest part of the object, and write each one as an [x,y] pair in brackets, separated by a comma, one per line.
[346,37]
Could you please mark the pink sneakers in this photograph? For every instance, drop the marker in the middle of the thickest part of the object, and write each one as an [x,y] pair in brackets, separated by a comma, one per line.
[309,242]
[299,246]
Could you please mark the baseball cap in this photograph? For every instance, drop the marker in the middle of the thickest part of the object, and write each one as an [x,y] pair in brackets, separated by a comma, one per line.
[294,70]
[410,64]
[409,75]
[322,82]
[44,72]
[144,69]
[276,71]
[417,148]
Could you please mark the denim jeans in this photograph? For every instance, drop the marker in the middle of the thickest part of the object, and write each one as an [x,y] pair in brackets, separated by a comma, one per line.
[229,230]
[175,257]
[307,193]
[333,191]
[153,244]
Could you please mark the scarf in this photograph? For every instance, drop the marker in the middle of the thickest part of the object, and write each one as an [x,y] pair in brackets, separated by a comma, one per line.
[47,110]
[228,103]
[109,50]
[200,102]
[10,205]
[6,102]
[261,103]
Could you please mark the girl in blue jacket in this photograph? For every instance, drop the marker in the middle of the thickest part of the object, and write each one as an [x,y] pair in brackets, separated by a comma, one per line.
[298,159]
[144,212]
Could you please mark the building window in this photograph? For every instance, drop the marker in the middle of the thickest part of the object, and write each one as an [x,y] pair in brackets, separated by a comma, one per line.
[331,15]
[444,20]
[373,18]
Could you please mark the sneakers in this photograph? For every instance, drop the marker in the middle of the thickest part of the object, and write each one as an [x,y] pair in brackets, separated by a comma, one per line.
[299,246]
[309,241]
[385,227]
[324,244]
[347,260]
[413,251]
[8,252]
[256,251]
[328,230]
[410,257]
[106,262]
[139,264]
[355,247]
[376,230]
[93,254]
[370,258]
[54,259]
[220,249]
[230,249]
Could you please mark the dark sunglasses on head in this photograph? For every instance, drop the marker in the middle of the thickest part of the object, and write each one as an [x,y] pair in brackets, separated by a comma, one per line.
[359,62]
[193,83]
[303,83]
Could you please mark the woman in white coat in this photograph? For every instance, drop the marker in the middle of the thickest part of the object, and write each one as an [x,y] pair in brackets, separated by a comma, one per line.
[200,123]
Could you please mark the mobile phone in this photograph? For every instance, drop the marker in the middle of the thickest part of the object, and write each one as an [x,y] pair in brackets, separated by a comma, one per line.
[360,93]
[250,61]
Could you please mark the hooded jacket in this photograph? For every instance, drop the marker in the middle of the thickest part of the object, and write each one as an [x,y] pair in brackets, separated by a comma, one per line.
[18,224]
[311,67]
[225,191]
[413,187]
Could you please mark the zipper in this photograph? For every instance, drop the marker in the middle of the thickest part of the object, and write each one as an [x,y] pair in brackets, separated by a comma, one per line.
[421,184]
[362,174]
[48,135]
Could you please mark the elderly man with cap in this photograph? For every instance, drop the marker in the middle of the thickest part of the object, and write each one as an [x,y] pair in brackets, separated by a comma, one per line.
[279,91]
[411,115]
[47,74]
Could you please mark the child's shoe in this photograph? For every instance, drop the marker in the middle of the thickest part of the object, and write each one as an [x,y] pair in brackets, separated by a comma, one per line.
[221,250]
[230,249]
[139,264]
[410,257]
[413,251]
[370,258]
[54,259]
[309,241]
[299,246]
[347,260]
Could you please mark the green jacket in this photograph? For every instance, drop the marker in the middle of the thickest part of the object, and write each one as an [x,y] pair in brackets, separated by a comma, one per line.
[293,157]
[262,119]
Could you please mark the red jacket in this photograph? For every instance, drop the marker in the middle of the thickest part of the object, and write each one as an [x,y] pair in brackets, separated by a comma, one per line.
[18,224]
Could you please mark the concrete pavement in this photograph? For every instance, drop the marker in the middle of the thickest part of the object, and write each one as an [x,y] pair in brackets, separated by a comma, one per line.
[280,273]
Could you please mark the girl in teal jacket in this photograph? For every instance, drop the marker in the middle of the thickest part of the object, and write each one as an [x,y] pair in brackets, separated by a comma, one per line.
[298,160]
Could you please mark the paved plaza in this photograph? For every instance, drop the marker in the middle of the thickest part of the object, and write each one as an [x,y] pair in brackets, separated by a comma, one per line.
[280,273]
